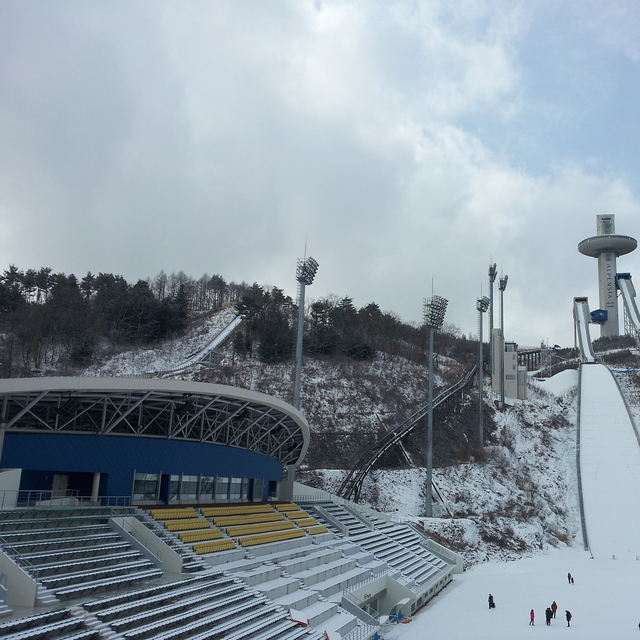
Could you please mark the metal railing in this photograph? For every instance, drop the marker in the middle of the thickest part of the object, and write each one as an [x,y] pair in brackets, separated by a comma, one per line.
[353,482]
[23,498]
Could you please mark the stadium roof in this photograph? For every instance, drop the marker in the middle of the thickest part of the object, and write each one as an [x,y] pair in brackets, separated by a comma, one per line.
[153,408]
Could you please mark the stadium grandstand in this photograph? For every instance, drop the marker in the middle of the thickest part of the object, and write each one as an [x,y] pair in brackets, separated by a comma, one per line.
[142,508]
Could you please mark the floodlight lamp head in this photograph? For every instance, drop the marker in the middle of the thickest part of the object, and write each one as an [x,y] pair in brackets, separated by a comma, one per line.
[503,283]
[306,271]
[482,304]
[433,311]
[493,271]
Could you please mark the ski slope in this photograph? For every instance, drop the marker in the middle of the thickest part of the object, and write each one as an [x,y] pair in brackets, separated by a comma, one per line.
[629,297]
[609,465]
[581,319]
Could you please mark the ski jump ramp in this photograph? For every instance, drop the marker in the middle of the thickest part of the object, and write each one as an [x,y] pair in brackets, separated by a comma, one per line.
[581,318]
[628,292]
[609,460]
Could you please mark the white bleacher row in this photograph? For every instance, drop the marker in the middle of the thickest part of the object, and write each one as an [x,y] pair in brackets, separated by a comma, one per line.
[396,544]
[307,574]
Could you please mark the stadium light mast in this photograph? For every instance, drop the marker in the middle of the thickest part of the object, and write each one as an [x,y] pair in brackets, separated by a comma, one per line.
[502,286]
[434,309]
[493,271]
[305,273]
[482,304]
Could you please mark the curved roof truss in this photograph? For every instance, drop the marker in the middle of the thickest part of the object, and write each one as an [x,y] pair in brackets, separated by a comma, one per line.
[168,409]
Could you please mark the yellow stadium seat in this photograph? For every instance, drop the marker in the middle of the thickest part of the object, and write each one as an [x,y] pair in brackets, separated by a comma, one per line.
[212,547]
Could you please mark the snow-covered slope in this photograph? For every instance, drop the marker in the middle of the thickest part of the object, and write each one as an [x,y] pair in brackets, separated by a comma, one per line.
[167,356]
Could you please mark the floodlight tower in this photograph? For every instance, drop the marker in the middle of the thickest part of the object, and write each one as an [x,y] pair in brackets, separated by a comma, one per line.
[482,304]
[606,246]
[502,286]
[305,273]
[493,272]
[433,312]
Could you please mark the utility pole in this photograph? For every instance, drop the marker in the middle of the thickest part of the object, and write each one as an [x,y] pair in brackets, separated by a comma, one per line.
[482,304]
[493,271]
[305,273]
[502,286]
[434,309]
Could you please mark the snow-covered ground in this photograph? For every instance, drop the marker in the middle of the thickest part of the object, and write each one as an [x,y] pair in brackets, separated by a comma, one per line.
[603,601]
[610,465]
[604,598]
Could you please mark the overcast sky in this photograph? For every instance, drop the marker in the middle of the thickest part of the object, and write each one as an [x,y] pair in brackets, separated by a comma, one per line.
[405,142]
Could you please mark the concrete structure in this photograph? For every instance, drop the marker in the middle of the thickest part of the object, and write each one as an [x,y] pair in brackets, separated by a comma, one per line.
[606,246]
[515,376]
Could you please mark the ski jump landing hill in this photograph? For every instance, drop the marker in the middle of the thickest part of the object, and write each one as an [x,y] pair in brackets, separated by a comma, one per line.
[608,447]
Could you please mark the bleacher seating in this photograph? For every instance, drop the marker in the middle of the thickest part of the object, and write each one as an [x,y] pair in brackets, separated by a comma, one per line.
[275,559]
[186,525]
[230,510]
[287,506]
[199,536]
[173,514]
[248,541]
[226,521]
[247,529]
[214,546]
[296,515]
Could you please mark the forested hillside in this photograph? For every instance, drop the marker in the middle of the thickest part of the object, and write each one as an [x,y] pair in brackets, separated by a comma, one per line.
[54,321]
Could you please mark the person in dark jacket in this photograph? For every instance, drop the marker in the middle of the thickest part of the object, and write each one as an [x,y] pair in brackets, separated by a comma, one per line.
[568,616]
[492,604]
[548,614]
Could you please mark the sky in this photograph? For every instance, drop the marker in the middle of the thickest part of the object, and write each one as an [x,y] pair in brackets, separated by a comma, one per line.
[405,145]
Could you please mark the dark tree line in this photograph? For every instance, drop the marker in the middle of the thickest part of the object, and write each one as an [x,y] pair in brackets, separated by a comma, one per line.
[333,326]
[48,317]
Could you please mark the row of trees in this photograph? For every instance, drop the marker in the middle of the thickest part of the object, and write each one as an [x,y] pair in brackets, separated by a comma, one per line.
[46,317]
[201,294]
[333,326]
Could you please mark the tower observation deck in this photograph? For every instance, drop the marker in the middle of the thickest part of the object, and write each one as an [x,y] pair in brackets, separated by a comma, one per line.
[606,246]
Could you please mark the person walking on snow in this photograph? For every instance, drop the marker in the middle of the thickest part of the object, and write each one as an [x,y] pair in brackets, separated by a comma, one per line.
[532,618]
[569,616]
[547,614]
[492,604]
[554,608]
[569,577]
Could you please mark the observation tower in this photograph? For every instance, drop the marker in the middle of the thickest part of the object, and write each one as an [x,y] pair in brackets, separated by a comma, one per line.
[606,247]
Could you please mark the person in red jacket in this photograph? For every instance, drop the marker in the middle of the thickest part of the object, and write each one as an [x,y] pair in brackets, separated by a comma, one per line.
[568,616]
[532,618]
[554,608]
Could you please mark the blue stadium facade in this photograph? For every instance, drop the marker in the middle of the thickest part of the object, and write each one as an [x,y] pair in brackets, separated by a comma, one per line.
[155,441]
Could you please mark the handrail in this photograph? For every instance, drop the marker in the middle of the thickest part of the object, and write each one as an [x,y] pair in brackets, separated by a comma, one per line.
[583,522]
[362,467]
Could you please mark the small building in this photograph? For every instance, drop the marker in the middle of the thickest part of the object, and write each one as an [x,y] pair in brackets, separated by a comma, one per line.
[515,376]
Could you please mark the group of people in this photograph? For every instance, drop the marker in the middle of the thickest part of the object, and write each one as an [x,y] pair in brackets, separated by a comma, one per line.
[549,614]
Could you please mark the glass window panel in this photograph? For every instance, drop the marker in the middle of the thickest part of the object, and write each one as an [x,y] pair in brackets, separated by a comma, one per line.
[174,488]
[222,488]
[207,485]
[189,489]
[236,488]
[145,486]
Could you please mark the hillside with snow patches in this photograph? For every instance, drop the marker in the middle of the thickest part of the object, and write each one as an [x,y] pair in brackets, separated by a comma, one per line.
[518,499]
